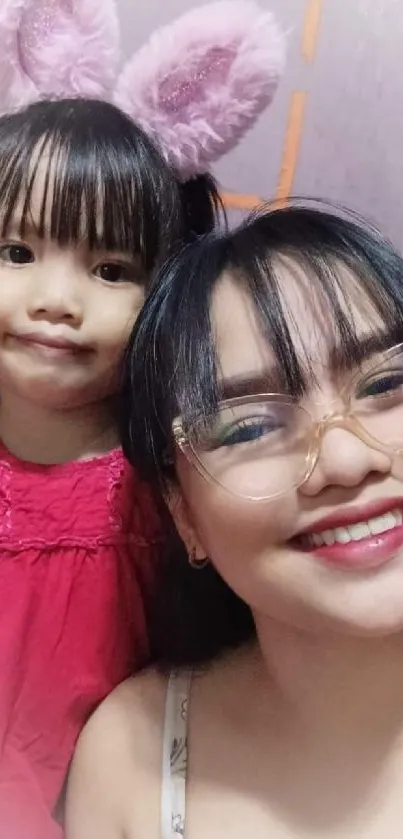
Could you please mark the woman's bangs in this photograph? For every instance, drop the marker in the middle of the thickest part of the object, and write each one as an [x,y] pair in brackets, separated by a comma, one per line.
[335,287]
[343,298]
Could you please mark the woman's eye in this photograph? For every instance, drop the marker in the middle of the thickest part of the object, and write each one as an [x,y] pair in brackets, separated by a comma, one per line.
[248,431]
[16,254]
[115,272]
[385,385]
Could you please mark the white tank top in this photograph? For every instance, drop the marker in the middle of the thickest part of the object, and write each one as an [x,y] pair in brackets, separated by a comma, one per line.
[174,757]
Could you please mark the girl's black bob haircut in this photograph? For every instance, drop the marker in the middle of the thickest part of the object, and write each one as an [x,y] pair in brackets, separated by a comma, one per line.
[171,368]
[102,181]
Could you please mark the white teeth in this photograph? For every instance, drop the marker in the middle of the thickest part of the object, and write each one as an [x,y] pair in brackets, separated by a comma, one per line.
[342,535]
[382,523]
[359,531]
[355,532]
[328,537]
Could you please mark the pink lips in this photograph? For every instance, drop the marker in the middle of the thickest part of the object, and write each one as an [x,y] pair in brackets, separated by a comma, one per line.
[51,345]
[354,514]
[364,554]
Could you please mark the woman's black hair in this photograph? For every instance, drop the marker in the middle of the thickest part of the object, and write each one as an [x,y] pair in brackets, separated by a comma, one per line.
[103,181]
[171,369]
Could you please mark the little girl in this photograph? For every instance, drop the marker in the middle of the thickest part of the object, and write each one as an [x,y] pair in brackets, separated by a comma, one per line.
[88,209]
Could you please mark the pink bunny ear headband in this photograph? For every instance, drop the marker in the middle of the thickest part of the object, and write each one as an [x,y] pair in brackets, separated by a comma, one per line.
[196,87]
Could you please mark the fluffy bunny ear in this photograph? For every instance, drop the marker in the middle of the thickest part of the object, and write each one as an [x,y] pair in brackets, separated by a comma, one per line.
[52,48]
[200,83]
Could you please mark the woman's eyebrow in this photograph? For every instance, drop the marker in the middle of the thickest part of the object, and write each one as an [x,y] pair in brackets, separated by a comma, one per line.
[273,381]
[266,381]
[362,348]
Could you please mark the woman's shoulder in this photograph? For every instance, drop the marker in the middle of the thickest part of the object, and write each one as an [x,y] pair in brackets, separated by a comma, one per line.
[131,716]
[116,772]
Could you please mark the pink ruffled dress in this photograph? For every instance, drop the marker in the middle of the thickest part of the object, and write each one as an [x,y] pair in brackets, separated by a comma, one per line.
[78,549]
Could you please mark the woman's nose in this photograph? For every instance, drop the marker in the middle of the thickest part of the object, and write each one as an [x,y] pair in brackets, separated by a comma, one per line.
[344,460]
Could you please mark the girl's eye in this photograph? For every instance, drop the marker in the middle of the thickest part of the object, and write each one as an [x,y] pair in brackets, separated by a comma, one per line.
[115,272]
[16,254]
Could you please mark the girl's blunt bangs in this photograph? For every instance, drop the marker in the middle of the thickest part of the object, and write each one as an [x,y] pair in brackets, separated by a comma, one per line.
[103,180]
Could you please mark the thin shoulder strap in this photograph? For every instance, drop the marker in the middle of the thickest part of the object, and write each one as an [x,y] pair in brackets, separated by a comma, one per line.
[174,758]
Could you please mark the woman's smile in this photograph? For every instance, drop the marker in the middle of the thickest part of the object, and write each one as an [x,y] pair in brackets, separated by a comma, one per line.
[356,538]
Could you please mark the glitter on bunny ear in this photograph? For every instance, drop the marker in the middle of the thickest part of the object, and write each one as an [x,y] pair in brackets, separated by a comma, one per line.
[57,48]
[196,87]
[200,83]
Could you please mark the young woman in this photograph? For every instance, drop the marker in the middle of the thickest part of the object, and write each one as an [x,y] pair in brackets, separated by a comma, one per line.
[264,393]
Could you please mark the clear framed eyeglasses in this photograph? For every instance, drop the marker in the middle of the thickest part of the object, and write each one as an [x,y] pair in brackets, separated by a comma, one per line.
[262,446]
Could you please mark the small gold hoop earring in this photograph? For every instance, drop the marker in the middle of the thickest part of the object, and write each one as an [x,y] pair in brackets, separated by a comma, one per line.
[197,564]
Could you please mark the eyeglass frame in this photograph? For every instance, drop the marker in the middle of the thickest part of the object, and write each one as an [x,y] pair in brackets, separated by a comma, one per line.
[335,419]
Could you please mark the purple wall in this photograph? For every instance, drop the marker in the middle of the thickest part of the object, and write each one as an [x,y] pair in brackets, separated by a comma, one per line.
[352,134]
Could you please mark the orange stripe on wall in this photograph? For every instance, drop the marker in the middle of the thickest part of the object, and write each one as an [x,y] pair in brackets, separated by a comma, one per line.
[291,144]
[293,135]
[238,201]
[310,30]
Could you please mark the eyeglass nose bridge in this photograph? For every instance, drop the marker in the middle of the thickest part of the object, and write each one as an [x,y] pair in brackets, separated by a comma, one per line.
[339,419]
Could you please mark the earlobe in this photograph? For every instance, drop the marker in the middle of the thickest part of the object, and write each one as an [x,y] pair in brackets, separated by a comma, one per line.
[183,522]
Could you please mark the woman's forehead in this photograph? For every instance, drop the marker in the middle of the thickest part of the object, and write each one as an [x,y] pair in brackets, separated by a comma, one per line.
[242,344]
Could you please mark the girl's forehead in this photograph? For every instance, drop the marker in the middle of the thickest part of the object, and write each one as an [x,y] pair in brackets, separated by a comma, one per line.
[46,192]
[76,196]
[33,202]
[37,187]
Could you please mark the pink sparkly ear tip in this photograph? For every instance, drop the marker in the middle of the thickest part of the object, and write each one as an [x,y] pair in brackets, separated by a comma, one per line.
[200,83]
[56,48]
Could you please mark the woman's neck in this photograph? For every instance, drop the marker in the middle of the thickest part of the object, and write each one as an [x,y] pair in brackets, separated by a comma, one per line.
[328,712]
[339,686]
[42,436]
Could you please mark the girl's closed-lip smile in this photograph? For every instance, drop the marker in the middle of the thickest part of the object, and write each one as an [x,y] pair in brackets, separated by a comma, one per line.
[50,346]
